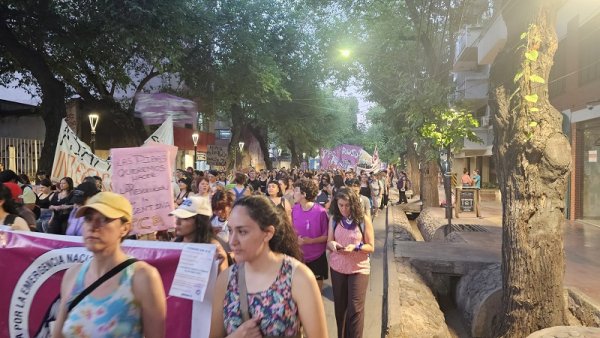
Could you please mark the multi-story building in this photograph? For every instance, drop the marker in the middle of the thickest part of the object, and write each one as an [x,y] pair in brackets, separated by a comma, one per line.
[574,87]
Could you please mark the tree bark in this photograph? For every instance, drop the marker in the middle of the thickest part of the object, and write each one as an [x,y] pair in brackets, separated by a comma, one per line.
[53,91]
[534,157]
[429,186]
[262,138]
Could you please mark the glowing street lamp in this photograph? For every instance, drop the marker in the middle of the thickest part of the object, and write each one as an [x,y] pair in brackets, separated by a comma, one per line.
[195,140]
[93,123]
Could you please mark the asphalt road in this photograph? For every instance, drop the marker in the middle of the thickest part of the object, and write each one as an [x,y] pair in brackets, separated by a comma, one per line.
[373,305]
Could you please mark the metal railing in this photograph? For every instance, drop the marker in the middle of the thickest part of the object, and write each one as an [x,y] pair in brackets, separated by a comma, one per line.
[20,155]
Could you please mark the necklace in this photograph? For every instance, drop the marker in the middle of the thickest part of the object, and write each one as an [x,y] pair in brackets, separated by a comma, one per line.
[347,222]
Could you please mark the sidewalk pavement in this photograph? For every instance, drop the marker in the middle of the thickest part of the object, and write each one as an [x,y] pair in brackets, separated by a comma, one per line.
[581,242]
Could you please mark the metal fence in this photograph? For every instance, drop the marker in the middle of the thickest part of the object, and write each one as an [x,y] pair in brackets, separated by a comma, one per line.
[20,155]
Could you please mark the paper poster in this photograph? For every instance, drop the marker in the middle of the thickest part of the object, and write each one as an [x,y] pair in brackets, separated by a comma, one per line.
[193,271]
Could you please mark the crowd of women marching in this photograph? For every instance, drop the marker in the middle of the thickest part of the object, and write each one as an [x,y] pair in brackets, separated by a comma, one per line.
[279,234]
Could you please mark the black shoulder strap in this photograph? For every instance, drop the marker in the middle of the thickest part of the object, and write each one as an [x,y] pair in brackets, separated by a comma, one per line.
[10,219]
[99,282]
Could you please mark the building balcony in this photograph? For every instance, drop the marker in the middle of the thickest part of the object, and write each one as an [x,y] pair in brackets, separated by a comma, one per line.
[473,91]
[473,149]
[492,40]
[466,50]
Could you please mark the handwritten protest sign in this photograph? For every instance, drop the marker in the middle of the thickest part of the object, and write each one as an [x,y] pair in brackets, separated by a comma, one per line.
[216,155]
[73,158]
[143,175]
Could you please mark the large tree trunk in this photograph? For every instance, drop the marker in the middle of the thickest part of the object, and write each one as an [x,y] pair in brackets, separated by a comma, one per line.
[237,119]
[429,185]
[534,159]
[262,137]
[53,91]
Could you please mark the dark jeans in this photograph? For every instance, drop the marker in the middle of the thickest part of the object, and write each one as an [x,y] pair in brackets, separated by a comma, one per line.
[349,293]
[403,197]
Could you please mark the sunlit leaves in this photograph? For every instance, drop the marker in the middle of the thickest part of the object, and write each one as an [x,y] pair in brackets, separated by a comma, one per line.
[533,98]
[532,55]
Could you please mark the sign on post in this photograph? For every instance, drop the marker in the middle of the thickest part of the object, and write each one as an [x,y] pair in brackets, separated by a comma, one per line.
[216,155]
[467,201]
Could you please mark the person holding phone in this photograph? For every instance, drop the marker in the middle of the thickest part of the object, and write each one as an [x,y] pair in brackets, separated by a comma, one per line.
[350,240]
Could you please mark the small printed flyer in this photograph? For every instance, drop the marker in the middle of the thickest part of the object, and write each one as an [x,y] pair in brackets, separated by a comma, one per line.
[193,271]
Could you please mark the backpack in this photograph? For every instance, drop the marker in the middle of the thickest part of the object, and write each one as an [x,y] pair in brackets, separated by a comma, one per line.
[361,228]
[36,208]
[238,194]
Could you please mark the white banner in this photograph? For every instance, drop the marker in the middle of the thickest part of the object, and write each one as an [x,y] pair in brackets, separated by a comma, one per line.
[164,134]
[73,158]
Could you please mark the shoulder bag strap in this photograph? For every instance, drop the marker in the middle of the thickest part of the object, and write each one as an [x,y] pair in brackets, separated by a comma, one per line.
[243,293]
[99,282]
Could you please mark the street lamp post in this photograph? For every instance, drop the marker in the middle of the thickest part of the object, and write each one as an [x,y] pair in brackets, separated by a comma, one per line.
[241,146]
[303,160]
[416,145]
[279,158]
[195,140]
[93,123]
[446,161]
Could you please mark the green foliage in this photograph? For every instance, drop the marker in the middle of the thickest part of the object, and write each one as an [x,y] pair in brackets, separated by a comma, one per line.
[450,128]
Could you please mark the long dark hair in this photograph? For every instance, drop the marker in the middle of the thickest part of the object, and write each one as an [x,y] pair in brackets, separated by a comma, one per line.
[69,183]
[9,204]
[203,232]
[263,212]
[356,210]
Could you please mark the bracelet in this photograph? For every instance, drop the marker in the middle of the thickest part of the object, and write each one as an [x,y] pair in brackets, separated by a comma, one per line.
[359,246]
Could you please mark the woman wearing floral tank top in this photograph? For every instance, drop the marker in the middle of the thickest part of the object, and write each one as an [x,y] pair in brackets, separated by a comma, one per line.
[350,241]
[281,294]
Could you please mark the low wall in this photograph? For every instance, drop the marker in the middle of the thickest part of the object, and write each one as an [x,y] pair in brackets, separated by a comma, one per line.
[413,310]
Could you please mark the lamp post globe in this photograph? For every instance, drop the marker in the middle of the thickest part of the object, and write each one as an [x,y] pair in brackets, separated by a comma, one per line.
[195,137]
[93,118]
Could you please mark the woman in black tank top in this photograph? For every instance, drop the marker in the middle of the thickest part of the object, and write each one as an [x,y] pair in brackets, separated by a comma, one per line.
[275,194]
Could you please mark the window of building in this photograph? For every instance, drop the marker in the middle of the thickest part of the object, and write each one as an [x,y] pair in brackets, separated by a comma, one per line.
[557,84]
[589,52]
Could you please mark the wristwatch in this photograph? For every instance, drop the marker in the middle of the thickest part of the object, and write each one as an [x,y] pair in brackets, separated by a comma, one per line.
[359,246]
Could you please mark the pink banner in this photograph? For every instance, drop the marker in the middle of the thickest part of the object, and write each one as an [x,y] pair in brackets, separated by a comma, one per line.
[143,175]
[33,265]
[344,156]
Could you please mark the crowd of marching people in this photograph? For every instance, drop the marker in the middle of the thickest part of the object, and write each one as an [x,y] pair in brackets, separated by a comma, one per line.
[279,234]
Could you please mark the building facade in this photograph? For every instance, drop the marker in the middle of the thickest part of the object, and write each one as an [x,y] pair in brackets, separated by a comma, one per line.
[574,88]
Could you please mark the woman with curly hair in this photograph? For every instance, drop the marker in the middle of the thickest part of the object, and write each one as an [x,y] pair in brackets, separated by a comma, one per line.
[350,241]
[268,292]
